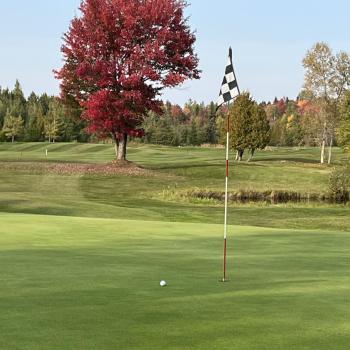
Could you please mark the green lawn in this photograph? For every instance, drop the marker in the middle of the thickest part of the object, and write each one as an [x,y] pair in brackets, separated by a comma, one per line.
[83,283]
[25,190]
[81,256]
[281,169]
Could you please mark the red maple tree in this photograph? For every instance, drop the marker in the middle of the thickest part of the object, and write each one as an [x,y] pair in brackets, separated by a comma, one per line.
[118,57]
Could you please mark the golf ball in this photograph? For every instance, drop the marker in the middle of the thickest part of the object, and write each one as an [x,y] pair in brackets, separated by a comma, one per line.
[162,283]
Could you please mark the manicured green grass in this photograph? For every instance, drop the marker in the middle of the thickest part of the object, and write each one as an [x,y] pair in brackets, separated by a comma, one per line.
[279,169]
[82,283]
[81,256]
[132,198]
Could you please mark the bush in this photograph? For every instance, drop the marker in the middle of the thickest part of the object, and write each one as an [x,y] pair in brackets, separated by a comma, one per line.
[247,196]
[339,184]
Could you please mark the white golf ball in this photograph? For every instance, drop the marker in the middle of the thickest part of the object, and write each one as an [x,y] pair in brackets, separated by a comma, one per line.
[162,283]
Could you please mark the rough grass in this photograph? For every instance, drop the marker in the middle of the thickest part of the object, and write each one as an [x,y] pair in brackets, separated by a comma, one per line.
[26,189]
[268,197]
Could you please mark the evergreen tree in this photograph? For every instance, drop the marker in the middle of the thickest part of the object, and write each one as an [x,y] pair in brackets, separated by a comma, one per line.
[249,127]
[35,127]
[184,134]
[260,132]
[38,109]
[74,126]
[193,134]
[211,131]
[18,103]
[241,124]
[13,126]
[163,133]
[2,113]
[343,132]
[44,100]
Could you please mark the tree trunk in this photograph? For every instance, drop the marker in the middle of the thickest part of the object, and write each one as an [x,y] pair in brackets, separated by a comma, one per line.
[121,154]
[124,145]
[323,142]
[330,151]
[323,151]
[116,143]
[237,156]
[13,138]
[252,151]
[240,154]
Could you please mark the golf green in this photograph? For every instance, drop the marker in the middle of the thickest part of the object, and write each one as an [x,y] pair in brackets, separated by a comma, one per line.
[88,283]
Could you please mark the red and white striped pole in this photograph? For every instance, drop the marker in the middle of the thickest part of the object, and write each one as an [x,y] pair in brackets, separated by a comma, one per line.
[229,84]
[226,193]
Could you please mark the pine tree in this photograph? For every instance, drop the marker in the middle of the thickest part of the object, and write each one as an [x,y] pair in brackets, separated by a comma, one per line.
[241,124]
[260,132]
[18,103]
[249,127]
[211,132]
[35,127]
[2,112]
[193,134]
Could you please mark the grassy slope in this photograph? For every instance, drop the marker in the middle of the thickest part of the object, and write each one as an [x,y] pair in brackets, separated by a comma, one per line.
[176,169]
[285,168]
[80,283]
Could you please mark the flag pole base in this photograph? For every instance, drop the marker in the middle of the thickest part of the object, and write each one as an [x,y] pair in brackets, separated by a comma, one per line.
[224,280]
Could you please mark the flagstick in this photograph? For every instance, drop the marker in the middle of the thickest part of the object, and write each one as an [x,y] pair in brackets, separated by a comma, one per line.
[226,94]
[226,192]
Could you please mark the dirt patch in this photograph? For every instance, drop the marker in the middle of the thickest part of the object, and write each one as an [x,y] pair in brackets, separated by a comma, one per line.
[109,169]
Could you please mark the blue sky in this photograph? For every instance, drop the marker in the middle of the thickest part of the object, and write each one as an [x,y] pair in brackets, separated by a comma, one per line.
[269,39]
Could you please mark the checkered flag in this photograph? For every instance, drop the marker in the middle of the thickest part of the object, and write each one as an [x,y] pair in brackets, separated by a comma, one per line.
[229,88]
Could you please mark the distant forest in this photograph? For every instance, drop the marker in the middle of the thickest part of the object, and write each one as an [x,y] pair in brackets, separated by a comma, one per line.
[39,118]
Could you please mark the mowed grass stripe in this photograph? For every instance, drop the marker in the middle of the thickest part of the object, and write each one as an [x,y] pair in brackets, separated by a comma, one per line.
[85,283]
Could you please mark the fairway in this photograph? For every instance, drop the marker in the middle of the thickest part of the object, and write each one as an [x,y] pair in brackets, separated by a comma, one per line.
[80,283]
[26,188]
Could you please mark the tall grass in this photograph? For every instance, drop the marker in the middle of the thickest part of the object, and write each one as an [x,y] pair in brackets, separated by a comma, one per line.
[270,196]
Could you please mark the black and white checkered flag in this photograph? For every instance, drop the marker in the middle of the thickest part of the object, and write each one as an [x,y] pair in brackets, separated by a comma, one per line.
[229,88]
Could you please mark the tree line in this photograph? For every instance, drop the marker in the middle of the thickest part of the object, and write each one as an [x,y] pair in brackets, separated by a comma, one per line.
[113,75]
[288,122]
[319,116]
[38,118]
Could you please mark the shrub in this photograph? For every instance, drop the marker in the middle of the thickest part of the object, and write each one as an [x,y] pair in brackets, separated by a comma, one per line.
[339,184]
